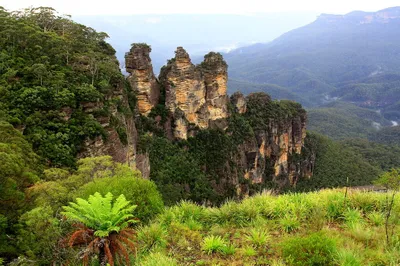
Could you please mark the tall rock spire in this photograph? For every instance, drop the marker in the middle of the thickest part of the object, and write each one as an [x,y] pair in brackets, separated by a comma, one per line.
[195,95]
[141,78]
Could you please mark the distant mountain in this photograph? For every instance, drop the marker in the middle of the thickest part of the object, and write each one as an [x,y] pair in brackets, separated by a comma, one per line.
[353,57]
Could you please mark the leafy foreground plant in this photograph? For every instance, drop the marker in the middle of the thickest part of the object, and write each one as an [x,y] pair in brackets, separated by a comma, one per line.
[103,227]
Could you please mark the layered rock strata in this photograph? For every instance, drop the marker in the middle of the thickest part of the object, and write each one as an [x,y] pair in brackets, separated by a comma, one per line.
[142,78]
[195,95]
[275,151]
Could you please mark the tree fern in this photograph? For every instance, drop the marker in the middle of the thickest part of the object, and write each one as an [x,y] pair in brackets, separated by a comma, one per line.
[100,214]
[106,224]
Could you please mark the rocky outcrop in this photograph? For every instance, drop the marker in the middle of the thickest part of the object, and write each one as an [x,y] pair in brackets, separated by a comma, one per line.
[195,95]
[275,151]
[141,78]
[239,102]
[215,72]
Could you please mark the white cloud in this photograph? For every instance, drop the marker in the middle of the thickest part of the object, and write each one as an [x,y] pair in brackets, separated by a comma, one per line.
[125,7]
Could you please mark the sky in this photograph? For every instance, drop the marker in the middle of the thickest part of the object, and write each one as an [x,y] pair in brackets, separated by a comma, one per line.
[128,7]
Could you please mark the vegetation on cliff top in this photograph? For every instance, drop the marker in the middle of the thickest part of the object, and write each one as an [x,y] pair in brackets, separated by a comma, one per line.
[51,70]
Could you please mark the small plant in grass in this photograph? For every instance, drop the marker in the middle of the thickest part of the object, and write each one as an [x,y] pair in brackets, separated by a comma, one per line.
[228,250]
[348,258]
[194,225]
[352,218]
[249,251]
[289,223]
[258,237]
[315,249]
[376,218]
[212,244]
[152,237]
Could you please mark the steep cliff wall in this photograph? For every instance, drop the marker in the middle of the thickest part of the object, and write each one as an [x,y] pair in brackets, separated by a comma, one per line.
[141,78]
[274,152]
[120,138]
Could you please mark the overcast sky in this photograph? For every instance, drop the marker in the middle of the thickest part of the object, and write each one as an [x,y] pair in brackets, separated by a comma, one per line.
[126,7]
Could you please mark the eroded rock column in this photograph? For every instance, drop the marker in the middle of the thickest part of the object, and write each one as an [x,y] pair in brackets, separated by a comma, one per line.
[141,78]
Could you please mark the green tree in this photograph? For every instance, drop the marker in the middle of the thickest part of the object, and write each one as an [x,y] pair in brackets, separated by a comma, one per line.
[103,224]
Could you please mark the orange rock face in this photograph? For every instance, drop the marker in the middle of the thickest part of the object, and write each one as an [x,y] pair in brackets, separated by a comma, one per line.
[198,92]
[141,78]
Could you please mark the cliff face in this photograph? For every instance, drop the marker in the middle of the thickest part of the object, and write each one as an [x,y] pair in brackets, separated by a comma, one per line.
[120,129]
[141,78]
[274,153]
[195,95]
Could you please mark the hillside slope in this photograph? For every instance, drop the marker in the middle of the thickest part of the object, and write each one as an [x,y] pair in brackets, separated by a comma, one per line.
[355,57]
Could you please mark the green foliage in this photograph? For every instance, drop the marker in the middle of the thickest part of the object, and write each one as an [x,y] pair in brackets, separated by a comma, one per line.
[177,173]
[101,214]
[289,223]
[340,120]
[389,136]
[158,259]
[390,180]
[228,250]
[141,192]
[348,258]
[376,218]
[152,237]
[249,251]
[19,168]
[260,109]
[352,218]
[381,156]
[315,249]
[258,237]
[213,244]
[38,234]
[52,69]
[334,164]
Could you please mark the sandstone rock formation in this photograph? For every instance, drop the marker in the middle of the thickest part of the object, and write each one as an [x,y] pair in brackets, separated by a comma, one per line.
[239,102]
[195,95]
[141,78]
[195,98]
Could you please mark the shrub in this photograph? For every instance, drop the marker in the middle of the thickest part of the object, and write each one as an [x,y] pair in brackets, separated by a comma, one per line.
[213,244]
[315,249]
[158,259]
[138,191]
